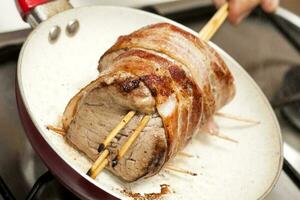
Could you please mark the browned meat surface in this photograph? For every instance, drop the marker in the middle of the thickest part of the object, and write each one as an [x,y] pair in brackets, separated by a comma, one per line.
[203,63]
[104,106]
[159,70]
[169,85]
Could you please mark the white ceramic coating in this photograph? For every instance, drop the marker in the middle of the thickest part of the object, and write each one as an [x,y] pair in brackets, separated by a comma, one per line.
[50,74]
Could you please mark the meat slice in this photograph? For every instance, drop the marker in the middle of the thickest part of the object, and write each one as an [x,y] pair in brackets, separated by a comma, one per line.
[102,107]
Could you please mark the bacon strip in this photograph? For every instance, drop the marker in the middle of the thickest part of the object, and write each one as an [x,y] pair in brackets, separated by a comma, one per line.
[200,61]
[167,79]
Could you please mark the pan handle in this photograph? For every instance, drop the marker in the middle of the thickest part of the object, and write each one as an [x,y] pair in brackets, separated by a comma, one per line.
[25,6]
[36,11]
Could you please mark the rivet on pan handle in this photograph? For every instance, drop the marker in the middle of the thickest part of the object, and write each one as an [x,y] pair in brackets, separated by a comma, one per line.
[36,11]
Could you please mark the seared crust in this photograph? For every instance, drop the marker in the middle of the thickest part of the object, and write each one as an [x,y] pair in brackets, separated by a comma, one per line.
[164,79]
[203,63]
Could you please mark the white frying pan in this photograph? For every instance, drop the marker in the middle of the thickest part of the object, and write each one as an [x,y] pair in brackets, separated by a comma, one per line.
[60,57]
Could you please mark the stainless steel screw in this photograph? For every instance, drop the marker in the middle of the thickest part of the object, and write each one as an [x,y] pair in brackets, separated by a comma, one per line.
[72,27]
[54,33]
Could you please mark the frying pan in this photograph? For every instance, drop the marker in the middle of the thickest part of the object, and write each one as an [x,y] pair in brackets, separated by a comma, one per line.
[60,56]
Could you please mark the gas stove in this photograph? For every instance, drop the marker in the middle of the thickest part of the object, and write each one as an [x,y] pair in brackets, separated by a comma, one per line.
[267,46]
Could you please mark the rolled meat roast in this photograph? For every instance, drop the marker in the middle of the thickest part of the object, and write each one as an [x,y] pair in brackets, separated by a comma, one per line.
[160,70]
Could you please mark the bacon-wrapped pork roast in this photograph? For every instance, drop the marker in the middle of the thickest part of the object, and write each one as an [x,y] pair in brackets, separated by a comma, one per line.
[160,70]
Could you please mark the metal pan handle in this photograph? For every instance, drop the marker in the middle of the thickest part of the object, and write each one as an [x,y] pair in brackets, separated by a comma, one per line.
[36,11]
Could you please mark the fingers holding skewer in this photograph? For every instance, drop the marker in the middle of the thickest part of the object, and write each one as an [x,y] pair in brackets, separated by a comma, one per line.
[214,23]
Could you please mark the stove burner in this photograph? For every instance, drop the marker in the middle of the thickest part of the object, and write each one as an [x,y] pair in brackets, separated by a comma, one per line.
[4,191]
[42,182]
[288,97]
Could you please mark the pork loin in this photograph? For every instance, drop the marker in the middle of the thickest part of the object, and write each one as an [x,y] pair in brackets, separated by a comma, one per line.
[159,70]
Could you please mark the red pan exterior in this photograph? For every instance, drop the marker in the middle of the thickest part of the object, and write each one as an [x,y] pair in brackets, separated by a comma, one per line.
[24,6]
[58,167]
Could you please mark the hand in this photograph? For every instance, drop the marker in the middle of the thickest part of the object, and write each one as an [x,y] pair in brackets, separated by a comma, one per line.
[239,9]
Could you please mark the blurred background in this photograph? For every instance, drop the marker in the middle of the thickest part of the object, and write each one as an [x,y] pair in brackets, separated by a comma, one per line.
[267,46]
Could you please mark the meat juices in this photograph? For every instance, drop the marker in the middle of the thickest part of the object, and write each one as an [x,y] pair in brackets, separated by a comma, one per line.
[160,70]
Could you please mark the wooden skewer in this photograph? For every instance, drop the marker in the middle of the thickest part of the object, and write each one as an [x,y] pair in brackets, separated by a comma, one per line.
[206,34]
[217,133]
[214,23]
[238,118]
[98,166]
[182,153]
[57,130]
[98,162]
[183,171]
[225,137]
[132,138]
[116,130]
